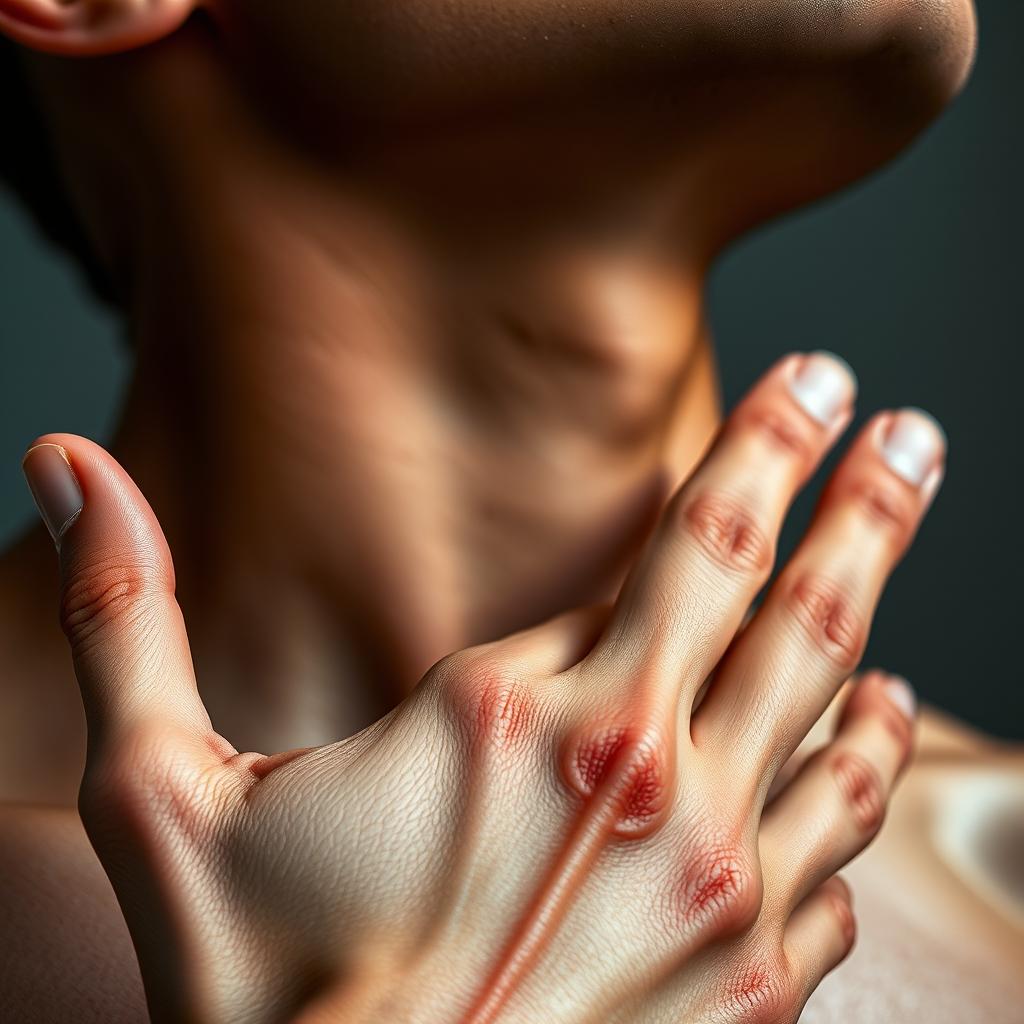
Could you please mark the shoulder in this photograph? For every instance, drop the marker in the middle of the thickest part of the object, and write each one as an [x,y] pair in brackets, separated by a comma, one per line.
[65,952]
[42,725]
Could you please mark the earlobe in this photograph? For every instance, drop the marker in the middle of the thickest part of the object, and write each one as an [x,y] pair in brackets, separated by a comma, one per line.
[86,28]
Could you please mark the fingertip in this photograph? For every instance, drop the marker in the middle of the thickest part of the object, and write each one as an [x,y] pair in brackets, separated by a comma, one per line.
[88,501]
[913,446]
[901,695]
[883,705]
[824,386]
[929,422]
[895,690]
[54,486]
[841,364]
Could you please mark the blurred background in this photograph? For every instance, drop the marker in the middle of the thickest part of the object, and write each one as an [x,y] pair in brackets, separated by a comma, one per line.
[916,277]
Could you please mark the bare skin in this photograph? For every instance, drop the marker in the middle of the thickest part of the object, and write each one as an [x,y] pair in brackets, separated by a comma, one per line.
[492,334]
[543,828]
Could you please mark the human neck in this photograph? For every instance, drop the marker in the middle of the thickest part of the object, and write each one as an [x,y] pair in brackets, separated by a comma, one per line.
[367,455]
[367,452]
[381,413]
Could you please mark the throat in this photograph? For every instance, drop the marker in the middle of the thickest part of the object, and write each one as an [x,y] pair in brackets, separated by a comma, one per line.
[367,453]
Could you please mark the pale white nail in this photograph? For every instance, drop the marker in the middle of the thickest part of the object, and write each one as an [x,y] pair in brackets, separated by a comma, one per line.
[824,387]
[901,693]
[913,446]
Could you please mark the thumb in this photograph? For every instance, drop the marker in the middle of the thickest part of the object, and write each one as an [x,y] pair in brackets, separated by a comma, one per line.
[118,610]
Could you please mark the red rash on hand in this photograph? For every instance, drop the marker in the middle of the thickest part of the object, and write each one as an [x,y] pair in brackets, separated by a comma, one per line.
[622,782]
[627,771]
[504,710]
[713,885]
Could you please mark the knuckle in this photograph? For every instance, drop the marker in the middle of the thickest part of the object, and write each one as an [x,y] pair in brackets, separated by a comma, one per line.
[628,769]
[826,613]
[729,533]
[761,993]
[846,922]
[885,506]
[450,670]
[593,757]
[783,431]
[107,594]
[720,893]
[861,789]
[494,706]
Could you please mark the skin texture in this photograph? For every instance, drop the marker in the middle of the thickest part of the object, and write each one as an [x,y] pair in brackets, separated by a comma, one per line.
[55,893]
[485,296]
[525,787]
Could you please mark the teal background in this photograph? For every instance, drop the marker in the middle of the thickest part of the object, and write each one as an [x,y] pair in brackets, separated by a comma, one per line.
[915,277]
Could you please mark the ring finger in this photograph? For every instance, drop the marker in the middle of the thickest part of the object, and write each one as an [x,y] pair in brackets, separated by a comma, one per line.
[713,548]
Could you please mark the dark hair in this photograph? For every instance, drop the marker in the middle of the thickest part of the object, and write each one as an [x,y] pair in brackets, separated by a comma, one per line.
[29,168]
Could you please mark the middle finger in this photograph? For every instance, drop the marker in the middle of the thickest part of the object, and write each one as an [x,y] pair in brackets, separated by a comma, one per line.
[809,635]
[713,548]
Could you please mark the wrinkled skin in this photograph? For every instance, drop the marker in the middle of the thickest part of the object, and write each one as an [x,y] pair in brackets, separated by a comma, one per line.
[552,826]
[492,277]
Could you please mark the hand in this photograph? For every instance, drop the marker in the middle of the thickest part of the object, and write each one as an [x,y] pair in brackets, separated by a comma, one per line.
[551,827]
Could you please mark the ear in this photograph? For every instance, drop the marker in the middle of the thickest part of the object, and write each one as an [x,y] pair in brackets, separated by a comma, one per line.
[85,28]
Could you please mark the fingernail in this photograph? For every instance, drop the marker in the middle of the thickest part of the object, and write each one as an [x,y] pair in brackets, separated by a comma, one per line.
[54,487]
[901,693]
[914,446]
[824,386]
